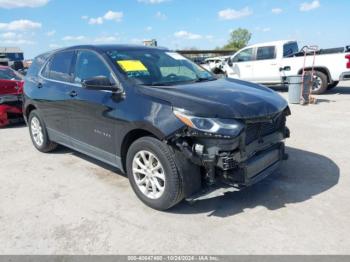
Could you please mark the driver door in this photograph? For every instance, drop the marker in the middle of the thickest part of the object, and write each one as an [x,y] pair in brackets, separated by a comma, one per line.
[242,65]
[91,121]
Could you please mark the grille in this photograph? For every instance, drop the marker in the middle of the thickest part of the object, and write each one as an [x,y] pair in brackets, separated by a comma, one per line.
[256,131]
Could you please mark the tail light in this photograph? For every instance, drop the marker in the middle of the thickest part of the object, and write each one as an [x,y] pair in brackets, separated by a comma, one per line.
[348,63]
[20,86]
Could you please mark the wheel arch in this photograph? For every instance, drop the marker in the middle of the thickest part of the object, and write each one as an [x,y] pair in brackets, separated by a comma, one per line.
[29,108]
[131,137]
[320,69]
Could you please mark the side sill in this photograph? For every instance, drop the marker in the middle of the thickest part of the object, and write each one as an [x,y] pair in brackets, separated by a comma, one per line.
[86,149]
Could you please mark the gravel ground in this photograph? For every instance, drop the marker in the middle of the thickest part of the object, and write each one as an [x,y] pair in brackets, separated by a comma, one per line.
[67,203]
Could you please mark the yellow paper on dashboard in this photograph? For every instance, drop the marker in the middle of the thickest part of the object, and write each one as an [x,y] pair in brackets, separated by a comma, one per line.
[132,65]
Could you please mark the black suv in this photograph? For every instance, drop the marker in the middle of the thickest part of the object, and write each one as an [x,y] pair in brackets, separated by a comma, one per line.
[169,124]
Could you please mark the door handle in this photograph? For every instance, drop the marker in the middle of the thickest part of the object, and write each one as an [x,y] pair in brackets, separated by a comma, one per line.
[248,66]
[73,94]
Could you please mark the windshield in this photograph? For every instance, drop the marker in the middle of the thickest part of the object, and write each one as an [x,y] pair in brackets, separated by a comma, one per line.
[157,67]
[9,74]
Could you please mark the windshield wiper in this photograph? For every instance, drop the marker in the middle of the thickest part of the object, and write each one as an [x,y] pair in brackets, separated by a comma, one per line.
[199,79]
[159,84]
[203,79]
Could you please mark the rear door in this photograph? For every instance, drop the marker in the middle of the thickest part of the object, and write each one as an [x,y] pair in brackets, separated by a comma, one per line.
[242,65]
[91,121]
[53,93]
[266,67]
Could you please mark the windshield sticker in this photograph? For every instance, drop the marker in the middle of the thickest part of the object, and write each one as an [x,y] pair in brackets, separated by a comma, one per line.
[132,65]
[176,56]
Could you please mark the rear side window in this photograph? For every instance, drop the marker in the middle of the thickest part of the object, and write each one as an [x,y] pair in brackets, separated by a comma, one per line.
[290,48]
[266,52]
[37,65]
[59,67]
[244,56]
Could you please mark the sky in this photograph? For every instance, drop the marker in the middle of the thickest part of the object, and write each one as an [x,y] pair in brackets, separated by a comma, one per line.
[37,26]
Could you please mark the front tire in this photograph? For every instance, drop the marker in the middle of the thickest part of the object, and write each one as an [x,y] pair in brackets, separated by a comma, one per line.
[153,174]
[38,133]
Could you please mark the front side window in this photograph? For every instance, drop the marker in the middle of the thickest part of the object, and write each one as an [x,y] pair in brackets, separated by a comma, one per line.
[266,52]
[89,65]
[59,67]
[157,67]
[244,56]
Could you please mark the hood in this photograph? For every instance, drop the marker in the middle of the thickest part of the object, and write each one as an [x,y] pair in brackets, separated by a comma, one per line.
[9,87]
[223,98]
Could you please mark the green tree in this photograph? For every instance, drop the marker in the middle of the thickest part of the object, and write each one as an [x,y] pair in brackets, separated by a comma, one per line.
[239,38]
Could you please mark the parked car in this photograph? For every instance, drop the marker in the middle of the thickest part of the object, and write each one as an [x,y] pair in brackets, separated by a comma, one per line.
[169,124]
[198,60]
[214,64]
[11,88]
[271,63]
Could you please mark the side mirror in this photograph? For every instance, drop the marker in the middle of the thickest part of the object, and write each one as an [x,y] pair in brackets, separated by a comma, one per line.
[99,83]
[229,62]
[286,68]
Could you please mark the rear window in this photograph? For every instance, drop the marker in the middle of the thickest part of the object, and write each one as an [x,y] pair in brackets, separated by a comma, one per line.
[266,52]
[9,74]
[59,67]
[37,64]
[290,48]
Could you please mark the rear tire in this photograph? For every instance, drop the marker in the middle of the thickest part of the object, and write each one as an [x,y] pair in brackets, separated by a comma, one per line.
[320,83]
[38,133]
[333,85]
[161,188]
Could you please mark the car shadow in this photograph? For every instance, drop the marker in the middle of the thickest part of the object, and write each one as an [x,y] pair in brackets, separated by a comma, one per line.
[303,176]
[300,178]
[343,90]
[282,89]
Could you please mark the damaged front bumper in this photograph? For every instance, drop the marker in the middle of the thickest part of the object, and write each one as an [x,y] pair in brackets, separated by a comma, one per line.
[238,162]
[244,168]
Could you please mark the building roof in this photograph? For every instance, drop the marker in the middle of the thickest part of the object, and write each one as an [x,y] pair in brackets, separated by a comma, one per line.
[10,50]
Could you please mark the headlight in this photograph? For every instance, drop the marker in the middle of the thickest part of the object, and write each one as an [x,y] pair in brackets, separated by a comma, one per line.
[212,125]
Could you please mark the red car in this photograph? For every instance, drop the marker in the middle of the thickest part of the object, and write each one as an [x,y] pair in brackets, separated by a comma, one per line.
[11,89]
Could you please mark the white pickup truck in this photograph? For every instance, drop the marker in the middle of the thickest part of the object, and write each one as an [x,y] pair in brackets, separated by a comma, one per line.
[271,63]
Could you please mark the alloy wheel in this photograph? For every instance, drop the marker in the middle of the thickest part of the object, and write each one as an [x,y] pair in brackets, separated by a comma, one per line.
[149,174]
[37,132]
[316,83]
